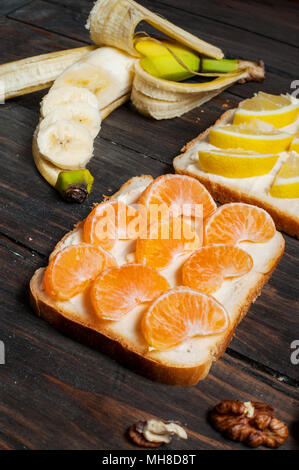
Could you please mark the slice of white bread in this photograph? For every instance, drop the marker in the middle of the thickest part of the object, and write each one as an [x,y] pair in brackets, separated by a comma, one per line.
[185,364]
[255,190]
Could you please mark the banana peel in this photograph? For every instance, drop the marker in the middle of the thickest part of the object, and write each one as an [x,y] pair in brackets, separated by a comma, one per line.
[113,23]
[36,73]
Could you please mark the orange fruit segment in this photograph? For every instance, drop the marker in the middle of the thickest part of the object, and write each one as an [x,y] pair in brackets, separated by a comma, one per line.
[236,222]
[206,269]
[108,222]
[165,241]
[182,313]
[73,268]
[119,289]
[179,193]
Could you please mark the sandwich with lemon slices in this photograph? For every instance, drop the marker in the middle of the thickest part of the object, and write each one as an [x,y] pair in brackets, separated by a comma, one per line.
[251,154]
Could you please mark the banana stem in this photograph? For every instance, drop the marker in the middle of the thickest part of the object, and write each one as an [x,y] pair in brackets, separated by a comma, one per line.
[221,66]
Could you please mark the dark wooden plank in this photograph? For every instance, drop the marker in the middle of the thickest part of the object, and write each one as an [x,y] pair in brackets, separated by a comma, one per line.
[278,57]
[53,17]
[58,394]
[7,6]
[276,19]
[19,41]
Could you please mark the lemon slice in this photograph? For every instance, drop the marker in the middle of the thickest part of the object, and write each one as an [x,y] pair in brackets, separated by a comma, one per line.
[286,183]
[258,137]
[239,164]
[295,143]
[279,111]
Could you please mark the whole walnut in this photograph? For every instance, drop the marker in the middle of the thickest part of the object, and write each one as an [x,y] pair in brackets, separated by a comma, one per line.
[251,422]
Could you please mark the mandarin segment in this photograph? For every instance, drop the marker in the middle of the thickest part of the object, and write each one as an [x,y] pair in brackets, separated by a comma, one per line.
[119,289]
[165,241]
[182,313]
[108,222]
[236,222]
[179,193]
[206,269]
[73,268]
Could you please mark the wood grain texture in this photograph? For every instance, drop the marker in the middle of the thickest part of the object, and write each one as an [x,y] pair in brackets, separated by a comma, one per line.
[7,6]
[34,41]
[273,18]
[96,397]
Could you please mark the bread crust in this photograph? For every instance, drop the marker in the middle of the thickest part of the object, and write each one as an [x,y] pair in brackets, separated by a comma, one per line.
[224,194]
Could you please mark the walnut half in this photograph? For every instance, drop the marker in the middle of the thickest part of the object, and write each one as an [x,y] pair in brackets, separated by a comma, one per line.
[154,432]
[250,422]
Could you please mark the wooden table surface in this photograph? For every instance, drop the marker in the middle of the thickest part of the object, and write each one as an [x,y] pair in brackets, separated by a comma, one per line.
[56,393]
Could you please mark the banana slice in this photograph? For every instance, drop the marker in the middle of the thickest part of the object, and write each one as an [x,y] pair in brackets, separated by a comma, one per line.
[82,113]
[66,144]
[67,94]
[106,72]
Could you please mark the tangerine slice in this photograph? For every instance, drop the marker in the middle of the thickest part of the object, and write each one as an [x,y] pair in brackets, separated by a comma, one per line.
[165,241]
[73,268]
[206,269]
[236,222]
[119,289]
[178,193]
[108,222]
[182,313]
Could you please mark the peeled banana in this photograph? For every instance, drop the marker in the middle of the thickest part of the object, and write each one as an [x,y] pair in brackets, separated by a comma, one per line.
[71,113]
[106,72]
